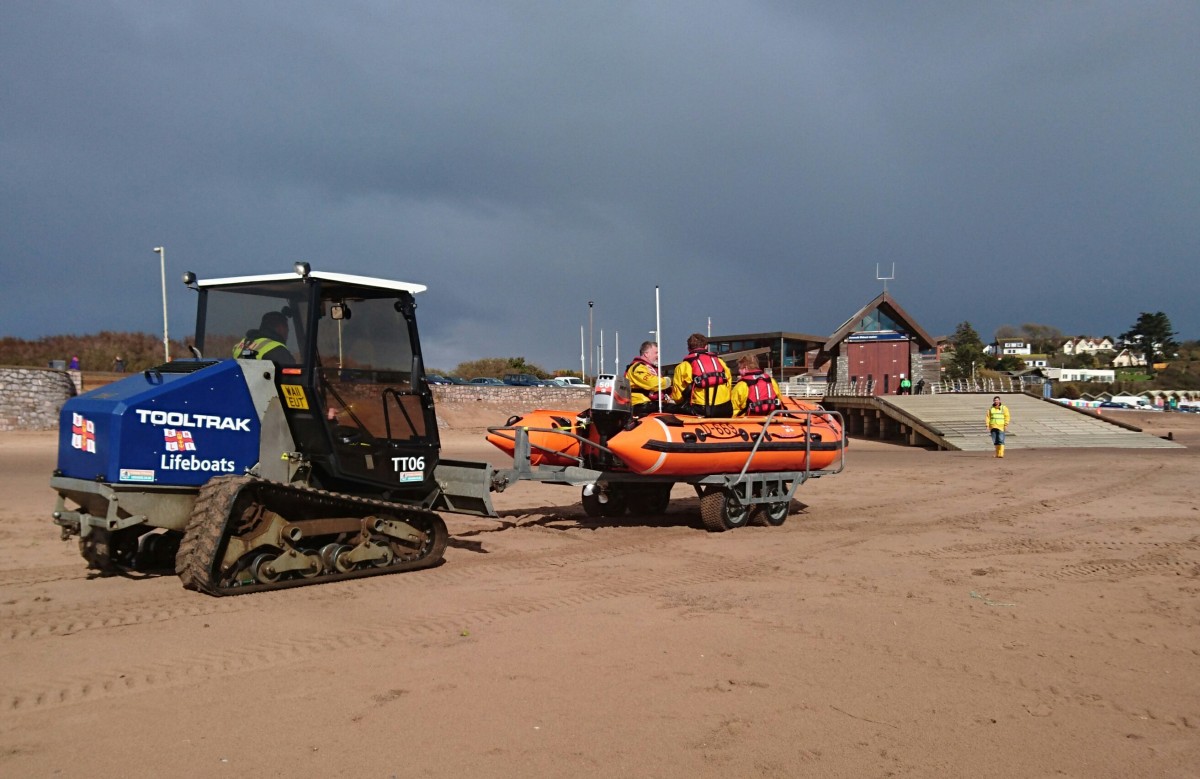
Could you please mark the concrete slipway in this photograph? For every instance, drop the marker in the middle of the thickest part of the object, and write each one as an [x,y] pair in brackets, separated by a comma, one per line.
[955,421]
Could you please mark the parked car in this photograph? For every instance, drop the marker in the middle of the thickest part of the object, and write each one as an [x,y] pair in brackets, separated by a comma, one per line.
[1112,404]
[570,381]
[486,381]
[434,378]
[457,380]
[522,380]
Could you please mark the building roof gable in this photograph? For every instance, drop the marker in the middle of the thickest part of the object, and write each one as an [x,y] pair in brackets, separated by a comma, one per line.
[886,304]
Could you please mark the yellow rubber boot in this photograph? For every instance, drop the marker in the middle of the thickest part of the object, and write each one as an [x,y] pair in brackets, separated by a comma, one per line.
[997,454]
[1000,450]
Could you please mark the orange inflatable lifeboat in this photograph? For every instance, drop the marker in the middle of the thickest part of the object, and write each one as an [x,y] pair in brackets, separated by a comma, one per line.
[546,447]
[678,445]
[681,445]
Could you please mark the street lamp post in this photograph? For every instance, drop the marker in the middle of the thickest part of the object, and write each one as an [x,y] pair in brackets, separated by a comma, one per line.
[162,264]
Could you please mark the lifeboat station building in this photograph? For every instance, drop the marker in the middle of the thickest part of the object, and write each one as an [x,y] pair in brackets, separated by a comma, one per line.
[857,372]
[789,355]
[867,355]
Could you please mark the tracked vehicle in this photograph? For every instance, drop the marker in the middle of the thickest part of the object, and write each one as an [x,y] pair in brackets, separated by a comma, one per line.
[299,444]
[267,460]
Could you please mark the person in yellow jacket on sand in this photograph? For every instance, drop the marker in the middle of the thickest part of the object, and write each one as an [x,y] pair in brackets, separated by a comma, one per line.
[997,422]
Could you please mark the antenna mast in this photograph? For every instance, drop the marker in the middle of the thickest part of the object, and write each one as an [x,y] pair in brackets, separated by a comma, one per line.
[885,279]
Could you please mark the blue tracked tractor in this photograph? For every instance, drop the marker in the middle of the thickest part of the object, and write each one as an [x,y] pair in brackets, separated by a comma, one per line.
[298,445]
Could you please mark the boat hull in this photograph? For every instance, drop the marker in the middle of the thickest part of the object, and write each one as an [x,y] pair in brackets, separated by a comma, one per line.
[674,445]
[680,445]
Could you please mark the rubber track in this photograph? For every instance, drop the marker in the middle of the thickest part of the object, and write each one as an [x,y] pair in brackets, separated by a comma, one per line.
[197,553]
[197,560]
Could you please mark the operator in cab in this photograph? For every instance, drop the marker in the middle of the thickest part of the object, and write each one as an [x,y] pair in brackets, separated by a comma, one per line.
[267,341]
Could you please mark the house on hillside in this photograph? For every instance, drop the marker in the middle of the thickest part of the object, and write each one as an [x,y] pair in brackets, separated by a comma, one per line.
[1104,375]
[1128,359]
[1087,345]
[1005,348]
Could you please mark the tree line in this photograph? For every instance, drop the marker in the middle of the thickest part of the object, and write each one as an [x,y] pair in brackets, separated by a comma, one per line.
[496,367]
[141,351]
[96,352]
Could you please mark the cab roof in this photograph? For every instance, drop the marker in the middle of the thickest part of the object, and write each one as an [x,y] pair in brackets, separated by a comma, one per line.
[336,278]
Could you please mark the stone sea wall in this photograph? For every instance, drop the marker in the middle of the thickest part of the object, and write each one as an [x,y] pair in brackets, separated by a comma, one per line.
[30,398]
[541,397]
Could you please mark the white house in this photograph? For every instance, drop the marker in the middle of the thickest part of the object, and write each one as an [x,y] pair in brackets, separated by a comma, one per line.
[1128,359]
[1080,374]
[1013,347]
[1086,345]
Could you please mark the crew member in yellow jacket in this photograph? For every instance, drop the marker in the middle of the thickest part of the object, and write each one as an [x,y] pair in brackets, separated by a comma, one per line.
[702,382]
[646,387]
[997,422]
[756,394]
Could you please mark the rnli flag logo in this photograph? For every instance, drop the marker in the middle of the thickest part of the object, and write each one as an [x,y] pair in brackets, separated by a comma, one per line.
[83,434]
[179,440]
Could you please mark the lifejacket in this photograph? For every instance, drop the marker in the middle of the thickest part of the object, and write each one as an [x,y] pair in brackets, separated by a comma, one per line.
[760,394]
[707,370]
[654,394]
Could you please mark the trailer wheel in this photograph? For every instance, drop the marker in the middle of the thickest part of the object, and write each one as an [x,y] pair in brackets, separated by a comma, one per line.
[613,506]
[770,514]
[720,510]
[650,499]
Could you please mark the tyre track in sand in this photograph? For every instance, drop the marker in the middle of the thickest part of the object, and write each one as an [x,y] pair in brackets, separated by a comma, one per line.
[101,682]
[1057,693]
[54,618]
[32,619]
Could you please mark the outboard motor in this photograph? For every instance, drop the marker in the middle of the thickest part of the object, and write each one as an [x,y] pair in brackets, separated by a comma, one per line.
[611,405]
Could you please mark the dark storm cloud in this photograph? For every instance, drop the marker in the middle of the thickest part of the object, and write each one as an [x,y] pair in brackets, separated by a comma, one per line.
[1017,162]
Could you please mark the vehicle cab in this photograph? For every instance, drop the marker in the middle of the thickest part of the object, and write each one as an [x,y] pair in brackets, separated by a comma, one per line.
[351,387]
